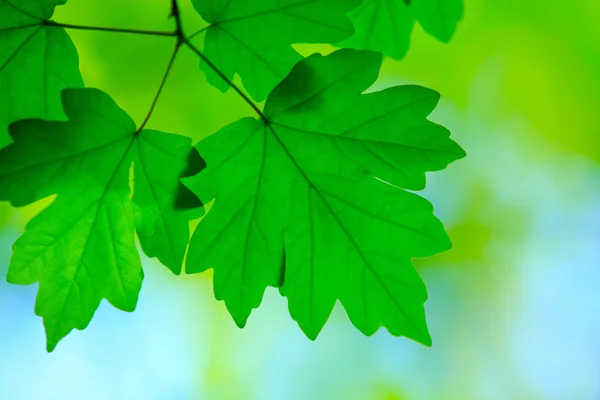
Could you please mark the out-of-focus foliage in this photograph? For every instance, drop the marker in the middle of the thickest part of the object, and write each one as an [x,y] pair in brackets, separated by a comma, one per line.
[387,25]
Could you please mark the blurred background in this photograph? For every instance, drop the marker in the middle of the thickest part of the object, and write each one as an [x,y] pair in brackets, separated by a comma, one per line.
[514,308]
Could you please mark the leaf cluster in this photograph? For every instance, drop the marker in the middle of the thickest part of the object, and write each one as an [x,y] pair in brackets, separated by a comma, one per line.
[313,196]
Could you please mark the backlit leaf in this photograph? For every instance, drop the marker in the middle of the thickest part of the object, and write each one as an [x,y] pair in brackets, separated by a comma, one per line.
[81,248]
[311,199]
[253,38]
[386,25]
[37,61]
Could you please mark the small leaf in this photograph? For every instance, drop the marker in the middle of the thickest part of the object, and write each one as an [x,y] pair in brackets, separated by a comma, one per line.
[439,17]
[161,159]
[319,186]
[81,248]
[37,61]
[253,38]
[386,25]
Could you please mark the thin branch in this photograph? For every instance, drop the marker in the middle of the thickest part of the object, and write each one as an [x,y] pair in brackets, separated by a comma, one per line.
[186,41]
[177,15]
[105,29]
[161,86]
[175,11]
[227,80]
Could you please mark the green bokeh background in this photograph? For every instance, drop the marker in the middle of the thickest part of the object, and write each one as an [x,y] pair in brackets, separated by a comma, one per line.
[514,308]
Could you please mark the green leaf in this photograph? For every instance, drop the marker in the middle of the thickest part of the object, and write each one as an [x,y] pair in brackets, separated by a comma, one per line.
[439,18]
[253,38]
[310,199]
[386,25]
[37,61]
[81,248]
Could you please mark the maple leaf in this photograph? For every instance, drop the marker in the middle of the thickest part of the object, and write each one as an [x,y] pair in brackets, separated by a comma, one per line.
[37,61]
[253,38]
[310,198]
[386,25]
[81,248]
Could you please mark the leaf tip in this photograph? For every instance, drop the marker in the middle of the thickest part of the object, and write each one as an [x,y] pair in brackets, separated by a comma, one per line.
[175,269]
[50,346]
[310,330]
[52,336]
[238,312]
[311,333]
[425,339]
[240,320]
[460,152]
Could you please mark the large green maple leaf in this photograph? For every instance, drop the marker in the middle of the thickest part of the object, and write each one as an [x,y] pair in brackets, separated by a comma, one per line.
[386,25]
[37,61]
[253,38]
[81,248]
[310,198]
